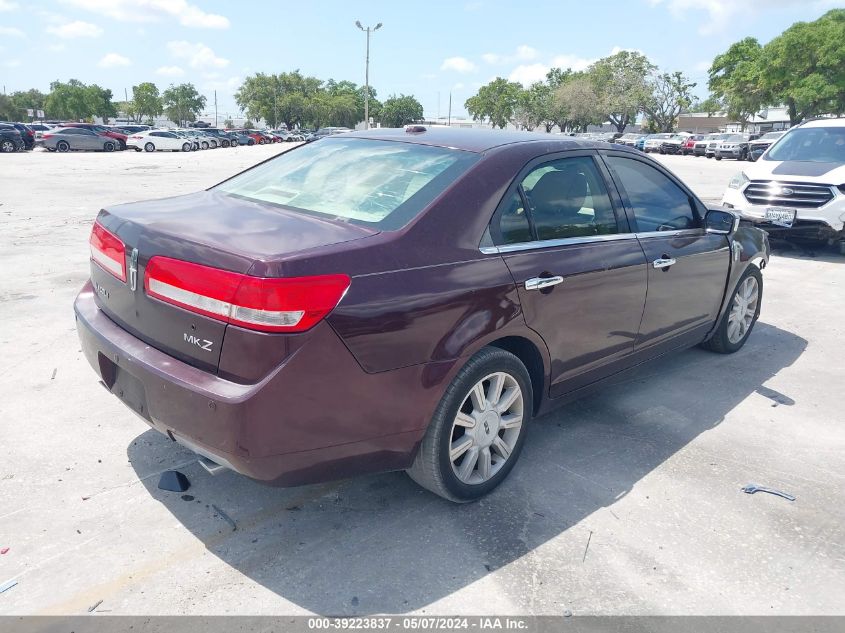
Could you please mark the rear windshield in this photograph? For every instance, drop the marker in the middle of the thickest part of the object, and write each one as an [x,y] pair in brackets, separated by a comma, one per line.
[381,184]
[812,144]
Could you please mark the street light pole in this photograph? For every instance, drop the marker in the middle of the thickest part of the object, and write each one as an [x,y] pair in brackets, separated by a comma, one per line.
[367,30]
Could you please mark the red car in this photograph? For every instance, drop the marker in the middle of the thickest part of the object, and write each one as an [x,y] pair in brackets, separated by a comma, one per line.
[103,131]
[406,300]
[688,146]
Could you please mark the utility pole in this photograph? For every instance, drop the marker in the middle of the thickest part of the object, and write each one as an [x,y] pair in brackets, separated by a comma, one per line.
[215,108]
[367,30]
[450,109]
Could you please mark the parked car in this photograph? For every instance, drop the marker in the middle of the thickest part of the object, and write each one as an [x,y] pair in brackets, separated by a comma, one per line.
[192,138]
[288,326]
[159,140]
[672,145]
[197,136]
[654,141]
[26,132]
[734,146]
[700,146]
[797,188]
[103,130]
[224,137]
[40,128]
[713,142]
[65,139]
[10,139]
[688,146]
[133,129]
[639,144]
[760,145]
[628,139]
[242,138]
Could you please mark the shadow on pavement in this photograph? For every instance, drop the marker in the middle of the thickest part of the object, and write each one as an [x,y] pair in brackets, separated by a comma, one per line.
[379,544]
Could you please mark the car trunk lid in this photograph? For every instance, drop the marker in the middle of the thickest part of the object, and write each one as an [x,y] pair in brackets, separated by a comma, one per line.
[210,229]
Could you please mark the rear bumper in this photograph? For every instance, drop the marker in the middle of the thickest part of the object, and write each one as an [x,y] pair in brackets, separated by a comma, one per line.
[316,417]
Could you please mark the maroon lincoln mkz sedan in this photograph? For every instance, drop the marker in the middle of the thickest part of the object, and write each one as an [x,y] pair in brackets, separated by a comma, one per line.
[406,299]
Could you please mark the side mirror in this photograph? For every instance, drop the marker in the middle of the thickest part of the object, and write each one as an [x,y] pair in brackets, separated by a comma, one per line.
[721,222]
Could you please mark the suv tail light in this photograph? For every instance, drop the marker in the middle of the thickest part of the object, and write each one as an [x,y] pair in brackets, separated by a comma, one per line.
[268,304]
[108,251]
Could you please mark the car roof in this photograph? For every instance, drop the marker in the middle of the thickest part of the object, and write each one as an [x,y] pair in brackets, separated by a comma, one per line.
[473,139]
[837,122]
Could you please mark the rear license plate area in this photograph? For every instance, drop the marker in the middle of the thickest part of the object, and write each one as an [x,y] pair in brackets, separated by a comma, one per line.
[125,386]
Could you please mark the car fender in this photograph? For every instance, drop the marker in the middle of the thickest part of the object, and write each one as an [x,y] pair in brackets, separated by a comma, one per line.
[749,246]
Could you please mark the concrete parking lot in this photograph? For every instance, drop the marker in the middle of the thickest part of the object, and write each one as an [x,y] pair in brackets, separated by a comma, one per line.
[627,502]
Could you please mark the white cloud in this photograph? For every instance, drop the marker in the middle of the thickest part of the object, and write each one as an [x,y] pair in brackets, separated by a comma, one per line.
[170,71]
[574,62]
[74,29]
[56,48]
[527,74]
[458,86]
[6,5]
[458,64]
[526,53]
[153,11]
[113,60]
[222,85]
[196,55]
[12,63]
[429,76]
[492,58]
[11,31]
[721,13]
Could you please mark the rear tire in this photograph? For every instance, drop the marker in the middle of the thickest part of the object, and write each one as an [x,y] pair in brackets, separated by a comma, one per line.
[233,143]
[186,147]
[478,429]
[204,145]
[108,147]
[7,147]
[62,146]
[740,316]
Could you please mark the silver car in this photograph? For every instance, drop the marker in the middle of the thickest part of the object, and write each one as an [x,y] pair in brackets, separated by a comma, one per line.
[76,138]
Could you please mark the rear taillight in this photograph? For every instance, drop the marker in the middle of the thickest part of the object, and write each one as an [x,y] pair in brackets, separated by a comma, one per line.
[45,135]
[269,304]
[108,251]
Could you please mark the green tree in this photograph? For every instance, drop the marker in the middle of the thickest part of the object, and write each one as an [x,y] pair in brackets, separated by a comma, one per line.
[735,79]
[8,110]
[71,100]
[804,67]
[248,124]
[534,107]
[228,124]
[711,105]
[24,100]
[621,85]
[671,95]
[101,104]
[497,101]
[182,103]
[576,104]
[146,101]
[401,110]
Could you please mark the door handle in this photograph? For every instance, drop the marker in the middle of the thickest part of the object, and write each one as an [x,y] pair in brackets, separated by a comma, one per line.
[538,283]
[664,262]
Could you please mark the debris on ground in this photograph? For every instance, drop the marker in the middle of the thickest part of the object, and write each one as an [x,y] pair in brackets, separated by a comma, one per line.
[174,481]
[96,604]
[752,488]
[4,550]
[225,517]
[8,585]
[589,538]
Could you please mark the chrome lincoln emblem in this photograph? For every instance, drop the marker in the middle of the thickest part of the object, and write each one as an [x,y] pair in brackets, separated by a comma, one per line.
[133,270]
[786,191]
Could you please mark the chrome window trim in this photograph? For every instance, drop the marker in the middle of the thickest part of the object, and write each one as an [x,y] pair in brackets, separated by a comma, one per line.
[565,241]
[647,234]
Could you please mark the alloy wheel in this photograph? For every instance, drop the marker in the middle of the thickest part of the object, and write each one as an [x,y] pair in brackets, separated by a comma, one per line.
[8,146]
[486,429]
[743,310]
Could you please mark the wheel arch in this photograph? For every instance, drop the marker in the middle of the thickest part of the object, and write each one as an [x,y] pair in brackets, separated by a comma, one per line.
[528,353]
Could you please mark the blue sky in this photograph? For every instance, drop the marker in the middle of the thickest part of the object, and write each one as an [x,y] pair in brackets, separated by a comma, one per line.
[424,49]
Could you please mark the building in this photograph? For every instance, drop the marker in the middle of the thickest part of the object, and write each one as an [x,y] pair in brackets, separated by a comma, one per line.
[702,122]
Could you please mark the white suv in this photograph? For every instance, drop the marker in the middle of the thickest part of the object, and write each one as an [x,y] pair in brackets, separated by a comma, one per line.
[798,185]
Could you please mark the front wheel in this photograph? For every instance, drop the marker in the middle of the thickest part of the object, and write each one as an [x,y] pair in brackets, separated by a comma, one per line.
[7,147]
[149,147]
[186,147]
[718,157]
[108,147]
[741,315]
[62,146]
[478,428]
